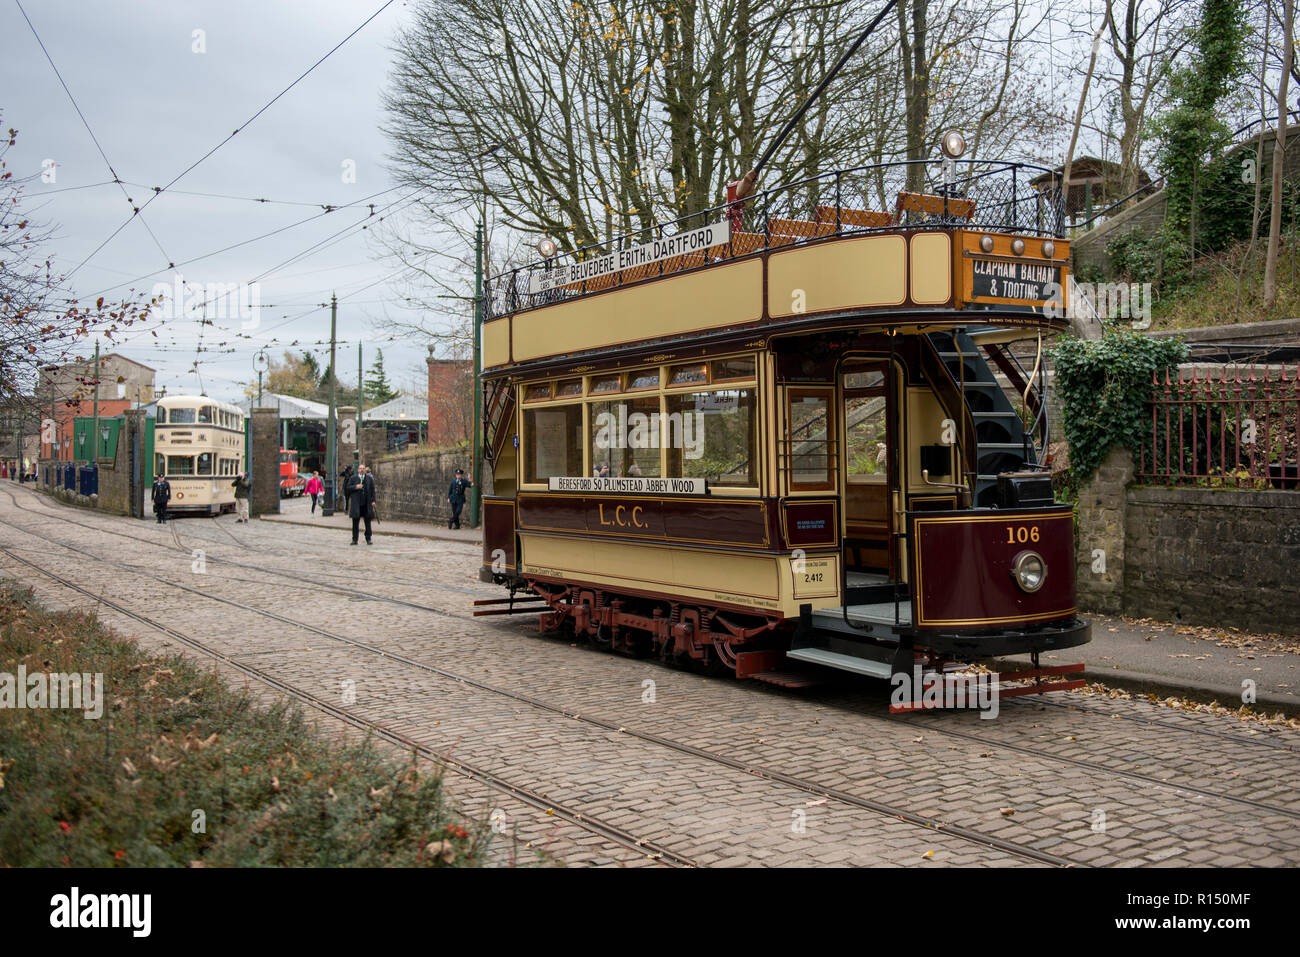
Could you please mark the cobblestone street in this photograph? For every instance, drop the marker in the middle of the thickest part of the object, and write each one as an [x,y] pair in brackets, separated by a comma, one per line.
[593,759]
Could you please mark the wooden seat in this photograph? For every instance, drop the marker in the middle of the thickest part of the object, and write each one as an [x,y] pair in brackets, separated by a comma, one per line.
[799,228]
[934,205]
[869,218]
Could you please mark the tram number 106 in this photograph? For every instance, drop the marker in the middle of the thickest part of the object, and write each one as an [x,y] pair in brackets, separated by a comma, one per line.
[1021,534]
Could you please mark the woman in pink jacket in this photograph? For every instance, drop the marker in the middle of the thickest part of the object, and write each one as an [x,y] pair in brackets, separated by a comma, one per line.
[314,488]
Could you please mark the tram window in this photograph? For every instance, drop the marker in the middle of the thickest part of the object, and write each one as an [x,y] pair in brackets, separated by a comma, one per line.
[688,375]
[205,415]
[162,415]
[867,437]
[159,464]
[571,387]
[552,442]
[808,445]
[182,416]
[645,379]
[180,464]
[711,435]
[537,393]
[205,463]
[625,435]
[725,369]
[607,383]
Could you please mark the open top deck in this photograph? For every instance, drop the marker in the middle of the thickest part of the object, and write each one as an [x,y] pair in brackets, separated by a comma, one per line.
[983,248]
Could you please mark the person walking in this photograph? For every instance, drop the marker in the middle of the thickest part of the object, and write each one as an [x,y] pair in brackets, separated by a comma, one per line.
[314,488]
[243,485]
[361,503]
[161,495]
[456,497]
[345,483]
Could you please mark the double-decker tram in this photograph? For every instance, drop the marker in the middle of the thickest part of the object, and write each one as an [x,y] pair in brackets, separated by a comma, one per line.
[199,447]
[791,431]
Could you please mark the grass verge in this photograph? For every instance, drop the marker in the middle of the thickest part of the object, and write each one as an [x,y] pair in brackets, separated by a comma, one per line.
[182,770]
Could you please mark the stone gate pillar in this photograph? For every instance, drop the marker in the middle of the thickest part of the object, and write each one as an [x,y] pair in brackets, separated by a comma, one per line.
[265,467]
[1099,540]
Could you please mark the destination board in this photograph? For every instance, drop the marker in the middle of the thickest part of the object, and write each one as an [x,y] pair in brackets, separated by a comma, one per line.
[688,241]
[651,486]
[1003,279]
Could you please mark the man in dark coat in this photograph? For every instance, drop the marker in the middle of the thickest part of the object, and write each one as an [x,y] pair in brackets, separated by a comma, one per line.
[456,497]
[361,502]
[161,495]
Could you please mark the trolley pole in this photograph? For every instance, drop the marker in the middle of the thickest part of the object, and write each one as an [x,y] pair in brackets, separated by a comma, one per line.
[476,422]
[331,446]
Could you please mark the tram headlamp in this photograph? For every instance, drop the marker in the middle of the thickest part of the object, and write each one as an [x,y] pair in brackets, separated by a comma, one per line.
[1029,570]
[1049,249]
[953,144]
[1018,247]
[986,243]
[546,246]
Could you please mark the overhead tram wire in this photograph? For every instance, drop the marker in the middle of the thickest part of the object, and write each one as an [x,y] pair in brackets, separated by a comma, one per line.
[95,139]
[189,169]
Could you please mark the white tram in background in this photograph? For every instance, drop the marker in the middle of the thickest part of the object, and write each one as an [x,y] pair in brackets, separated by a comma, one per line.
[199,447]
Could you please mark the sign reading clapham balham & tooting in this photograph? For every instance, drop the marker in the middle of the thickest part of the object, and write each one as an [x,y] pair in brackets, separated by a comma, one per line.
[652,486]
[999,279]
[690,241]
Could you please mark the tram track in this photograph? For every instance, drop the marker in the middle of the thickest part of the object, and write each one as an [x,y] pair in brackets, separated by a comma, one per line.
[1091,766]
[810,787]
[526,795]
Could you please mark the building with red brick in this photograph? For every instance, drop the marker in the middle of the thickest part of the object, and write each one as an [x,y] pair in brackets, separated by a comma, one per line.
[68,391]
[451,401]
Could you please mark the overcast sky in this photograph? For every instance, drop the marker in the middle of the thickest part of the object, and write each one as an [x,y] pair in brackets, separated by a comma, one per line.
[157,104]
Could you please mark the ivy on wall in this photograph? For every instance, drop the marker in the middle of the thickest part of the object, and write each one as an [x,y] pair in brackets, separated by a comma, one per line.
[1104,386]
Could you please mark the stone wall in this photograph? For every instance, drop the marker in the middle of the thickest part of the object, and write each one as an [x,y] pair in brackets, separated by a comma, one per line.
[1202,556]
[412,486]
[1214,557]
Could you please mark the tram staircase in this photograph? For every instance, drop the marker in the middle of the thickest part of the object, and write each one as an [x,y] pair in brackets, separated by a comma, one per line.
[1002,443]
[499,408]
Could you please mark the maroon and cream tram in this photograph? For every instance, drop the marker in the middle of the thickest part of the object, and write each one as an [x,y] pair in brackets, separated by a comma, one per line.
[791,430]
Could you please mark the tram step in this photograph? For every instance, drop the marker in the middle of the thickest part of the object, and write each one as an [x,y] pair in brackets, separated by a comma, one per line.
[834,659]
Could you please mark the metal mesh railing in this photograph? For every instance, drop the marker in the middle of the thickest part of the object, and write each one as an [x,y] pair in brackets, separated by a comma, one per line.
[1002,197]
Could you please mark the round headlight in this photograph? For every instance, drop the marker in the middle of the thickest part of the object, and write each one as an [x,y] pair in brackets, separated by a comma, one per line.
[1049,249]
[546,246]
[1029,570]
[1018,247]
[986,243]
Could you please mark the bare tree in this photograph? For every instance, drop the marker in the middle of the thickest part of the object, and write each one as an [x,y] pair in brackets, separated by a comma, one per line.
[1279,159]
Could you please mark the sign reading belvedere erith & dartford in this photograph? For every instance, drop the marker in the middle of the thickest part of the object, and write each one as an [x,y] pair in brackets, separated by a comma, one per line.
[997,279]
[690,241]
[652,486]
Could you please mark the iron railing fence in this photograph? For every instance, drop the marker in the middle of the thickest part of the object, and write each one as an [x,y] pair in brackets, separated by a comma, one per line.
[992,196]
[1234,426]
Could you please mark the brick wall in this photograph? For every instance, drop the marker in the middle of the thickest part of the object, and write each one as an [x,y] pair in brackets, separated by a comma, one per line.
[412,486]
[451,400]
[1203,556]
